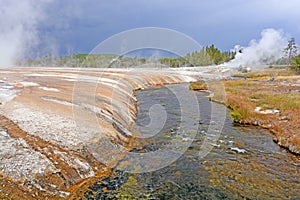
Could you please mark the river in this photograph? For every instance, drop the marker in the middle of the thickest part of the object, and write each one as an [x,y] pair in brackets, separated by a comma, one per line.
[244,162]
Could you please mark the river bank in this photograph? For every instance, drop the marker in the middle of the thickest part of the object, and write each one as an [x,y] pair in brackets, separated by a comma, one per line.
[63,128]
[262,99]
[244,162]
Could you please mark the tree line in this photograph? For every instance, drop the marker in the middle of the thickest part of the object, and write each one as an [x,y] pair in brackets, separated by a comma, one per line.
[209,55]
[206,56]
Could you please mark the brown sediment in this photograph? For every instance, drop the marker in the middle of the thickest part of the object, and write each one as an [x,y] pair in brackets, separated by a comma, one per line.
[41,119]
[66,178]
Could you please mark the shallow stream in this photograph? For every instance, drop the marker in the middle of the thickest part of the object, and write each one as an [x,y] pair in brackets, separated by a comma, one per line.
[245,163]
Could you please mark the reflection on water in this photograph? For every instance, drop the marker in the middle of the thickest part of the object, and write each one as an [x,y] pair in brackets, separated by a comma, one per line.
[244,163]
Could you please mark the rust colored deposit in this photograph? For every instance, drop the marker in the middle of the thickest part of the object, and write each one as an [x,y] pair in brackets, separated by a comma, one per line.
[63,129]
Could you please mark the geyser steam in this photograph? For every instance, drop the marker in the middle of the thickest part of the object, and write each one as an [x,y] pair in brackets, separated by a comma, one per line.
[267,50]
[18,28]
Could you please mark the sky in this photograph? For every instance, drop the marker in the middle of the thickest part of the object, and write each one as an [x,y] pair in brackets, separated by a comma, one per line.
[68,26]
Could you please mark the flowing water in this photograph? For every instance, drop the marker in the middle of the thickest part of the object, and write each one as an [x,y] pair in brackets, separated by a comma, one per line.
[245,163]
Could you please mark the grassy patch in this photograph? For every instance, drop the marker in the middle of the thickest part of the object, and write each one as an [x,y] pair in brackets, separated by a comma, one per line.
[268,73]
[243,96]
[236,116]
[200,85]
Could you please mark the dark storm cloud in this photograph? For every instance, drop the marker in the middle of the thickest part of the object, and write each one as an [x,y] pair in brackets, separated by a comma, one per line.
[83,24]
[78,26]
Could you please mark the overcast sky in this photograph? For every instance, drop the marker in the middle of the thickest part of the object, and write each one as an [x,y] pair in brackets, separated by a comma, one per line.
[78,26]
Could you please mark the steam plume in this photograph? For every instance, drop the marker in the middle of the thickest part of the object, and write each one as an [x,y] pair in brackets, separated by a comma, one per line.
[267,50]
[19,21]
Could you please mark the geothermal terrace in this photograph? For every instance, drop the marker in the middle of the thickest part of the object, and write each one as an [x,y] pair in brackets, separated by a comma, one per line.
[62,128]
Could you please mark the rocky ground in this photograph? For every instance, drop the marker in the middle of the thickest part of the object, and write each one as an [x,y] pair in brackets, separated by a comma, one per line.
[61,129]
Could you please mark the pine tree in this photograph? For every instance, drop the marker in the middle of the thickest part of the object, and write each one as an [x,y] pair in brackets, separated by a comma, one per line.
[290,51]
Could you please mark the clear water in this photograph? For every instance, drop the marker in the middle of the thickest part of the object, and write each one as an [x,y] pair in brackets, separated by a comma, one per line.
[245,163]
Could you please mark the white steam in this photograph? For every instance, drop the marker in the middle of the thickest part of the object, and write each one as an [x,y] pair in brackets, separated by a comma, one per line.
[19,20]
[268,49]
